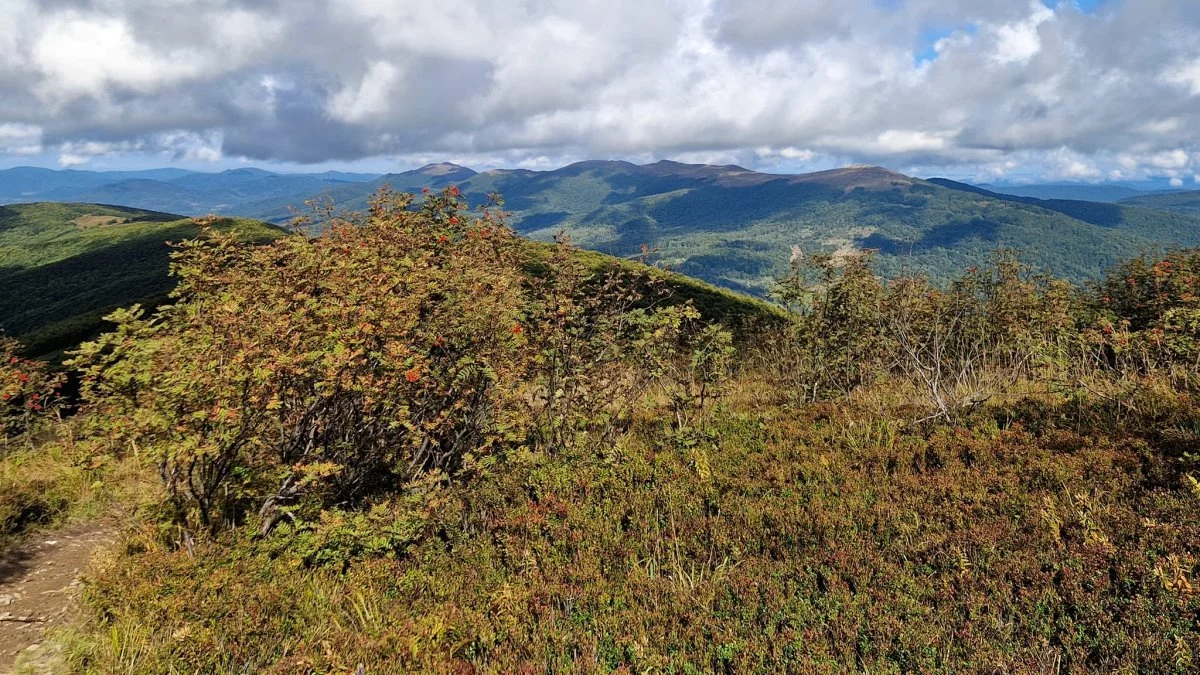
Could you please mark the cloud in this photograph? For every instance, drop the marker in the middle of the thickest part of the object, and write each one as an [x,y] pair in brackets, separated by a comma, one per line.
[369,99]
[1020,41]
[20,139]
[68,160]
[969,87]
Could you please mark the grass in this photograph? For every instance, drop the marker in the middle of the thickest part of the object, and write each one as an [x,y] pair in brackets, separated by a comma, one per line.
[53,482]
[778,538]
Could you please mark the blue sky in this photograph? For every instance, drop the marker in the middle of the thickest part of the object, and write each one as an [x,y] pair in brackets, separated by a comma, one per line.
[1086,90]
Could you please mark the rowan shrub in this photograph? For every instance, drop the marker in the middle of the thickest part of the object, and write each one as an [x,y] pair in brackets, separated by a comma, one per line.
[834,344]
[313,373]
[310,372]
[29,393]
[582,327]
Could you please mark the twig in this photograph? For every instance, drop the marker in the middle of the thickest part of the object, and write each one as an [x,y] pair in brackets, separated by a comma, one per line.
[22,619]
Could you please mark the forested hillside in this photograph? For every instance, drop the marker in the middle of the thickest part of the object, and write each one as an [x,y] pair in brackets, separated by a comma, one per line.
[1182,202]
[737,228]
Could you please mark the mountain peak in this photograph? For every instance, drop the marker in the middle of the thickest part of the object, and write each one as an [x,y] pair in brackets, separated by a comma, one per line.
[248,171]
[865,176]
[445,169]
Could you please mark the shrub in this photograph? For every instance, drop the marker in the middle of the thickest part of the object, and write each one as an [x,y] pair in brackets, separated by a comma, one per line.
[311,373]
[689,363]
[29,393]
[319,369]
[961,344]
[835,344]
[581,332]
[979,338]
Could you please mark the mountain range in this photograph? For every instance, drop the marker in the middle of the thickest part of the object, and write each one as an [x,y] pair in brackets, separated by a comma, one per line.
[725,224]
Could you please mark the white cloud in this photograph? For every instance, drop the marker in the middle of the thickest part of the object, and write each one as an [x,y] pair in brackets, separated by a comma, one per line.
[904,141]
[1184,74]
[93,54]
[68,160]
[370,99]
[1176,182]
[1019,41]
[787,152]
[1170,160]
[1017,87]
[190,146]
[20,139]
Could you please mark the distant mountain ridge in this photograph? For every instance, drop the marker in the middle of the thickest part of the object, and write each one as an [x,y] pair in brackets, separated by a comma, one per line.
[1089,193]
[1185,201]
[171,190]
[725,224]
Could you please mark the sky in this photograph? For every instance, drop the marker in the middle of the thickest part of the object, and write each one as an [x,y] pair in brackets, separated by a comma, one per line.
[985,90]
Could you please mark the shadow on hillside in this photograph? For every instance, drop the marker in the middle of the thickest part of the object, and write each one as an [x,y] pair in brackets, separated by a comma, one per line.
[942,236]
[541,221]
[1104,215]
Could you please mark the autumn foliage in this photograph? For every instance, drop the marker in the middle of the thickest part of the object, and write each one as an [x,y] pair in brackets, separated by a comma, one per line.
[29,393]
[310,372]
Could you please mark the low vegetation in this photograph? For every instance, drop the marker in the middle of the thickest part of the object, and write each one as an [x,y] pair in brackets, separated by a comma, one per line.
[415,443]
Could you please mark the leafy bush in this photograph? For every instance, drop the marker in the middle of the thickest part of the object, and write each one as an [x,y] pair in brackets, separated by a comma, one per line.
[835,343]
[689,363]
[988,331]
[320,369]
[960,345]
[309,373]
[29,393]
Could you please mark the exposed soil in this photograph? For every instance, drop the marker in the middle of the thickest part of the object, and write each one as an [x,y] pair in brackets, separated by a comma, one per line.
[38,583]
[98,221]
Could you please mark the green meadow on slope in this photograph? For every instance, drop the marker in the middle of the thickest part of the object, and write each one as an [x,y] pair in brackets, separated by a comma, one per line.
[64,266]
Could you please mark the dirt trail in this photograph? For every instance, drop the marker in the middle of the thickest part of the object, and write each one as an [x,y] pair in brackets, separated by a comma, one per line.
[38,582]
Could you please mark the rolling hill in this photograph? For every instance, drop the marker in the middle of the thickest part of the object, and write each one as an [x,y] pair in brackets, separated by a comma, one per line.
[1087,193]
[737,228]
[1179,202]
[724,224]
[64,266]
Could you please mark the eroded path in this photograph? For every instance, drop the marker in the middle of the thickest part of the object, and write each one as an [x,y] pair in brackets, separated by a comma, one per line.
[38,583]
